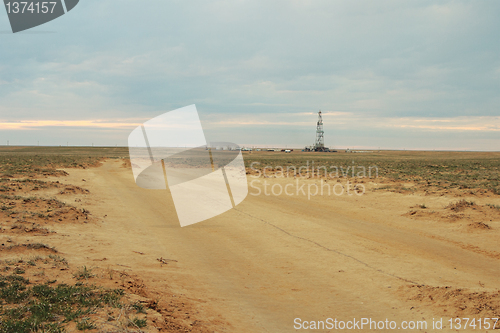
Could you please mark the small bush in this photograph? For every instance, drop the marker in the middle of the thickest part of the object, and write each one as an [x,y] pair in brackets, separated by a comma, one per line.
[18,270]
[460,205]
[59,260]
[83,273]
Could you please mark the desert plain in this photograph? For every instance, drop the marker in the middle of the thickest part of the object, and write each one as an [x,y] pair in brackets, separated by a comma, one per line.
[83,248]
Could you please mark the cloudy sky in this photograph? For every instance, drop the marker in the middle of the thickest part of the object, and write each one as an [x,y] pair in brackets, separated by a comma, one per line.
[389,74]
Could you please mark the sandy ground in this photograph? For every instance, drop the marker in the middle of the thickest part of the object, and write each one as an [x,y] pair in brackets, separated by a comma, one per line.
[276,258]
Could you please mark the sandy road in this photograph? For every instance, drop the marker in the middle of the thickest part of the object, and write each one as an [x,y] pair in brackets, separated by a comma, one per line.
[272,259]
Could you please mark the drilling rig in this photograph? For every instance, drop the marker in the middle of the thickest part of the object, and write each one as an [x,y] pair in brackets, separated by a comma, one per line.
[319,144]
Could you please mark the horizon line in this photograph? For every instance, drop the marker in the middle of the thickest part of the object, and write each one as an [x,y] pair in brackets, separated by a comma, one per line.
[267,147]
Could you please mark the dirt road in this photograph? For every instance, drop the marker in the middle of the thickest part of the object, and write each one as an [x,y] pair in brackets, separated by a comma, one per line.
[276,258]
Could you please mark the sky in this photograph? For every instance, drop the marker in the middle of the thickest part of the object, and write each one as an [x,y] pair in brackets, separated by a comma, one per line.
[385,74]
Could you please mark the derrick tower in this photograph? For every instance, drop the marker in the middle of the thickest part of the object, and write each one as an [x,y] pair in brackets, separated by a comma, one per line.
[319,144]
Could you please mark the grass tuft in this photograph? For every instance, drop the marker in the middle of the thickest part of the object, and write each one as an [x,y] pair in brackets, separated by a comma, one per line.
[493,206]
[85,324]
[83,273]
[140,323]
[138,307]
[460,205]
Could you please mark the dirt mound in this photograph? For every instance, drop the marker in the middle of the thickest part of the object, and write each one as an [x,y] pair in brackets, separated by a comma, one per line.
[126,163]
[27,247]
[455,301]
[462,210]
[15,209]
[479,225]
[30,228]
[71,189]
[461,205]
[24,186]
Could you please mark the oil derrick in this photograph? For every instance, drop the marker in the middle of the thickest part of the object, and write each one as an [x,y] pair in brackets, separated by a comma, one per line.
[319,144]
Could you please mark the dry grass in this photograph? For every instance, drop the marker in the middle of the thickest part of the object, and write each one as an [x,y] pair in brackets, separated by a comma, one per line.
[460,205]
[428,170]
